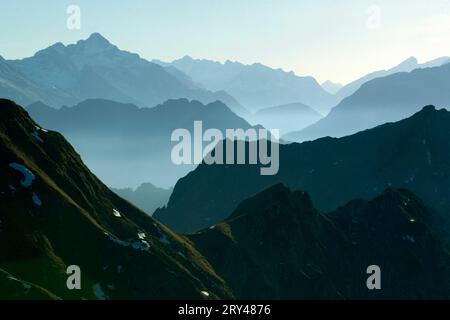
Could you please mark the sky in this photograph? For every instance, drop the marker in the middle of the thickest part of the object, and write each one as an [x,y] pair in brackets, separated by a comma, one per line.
[337,40]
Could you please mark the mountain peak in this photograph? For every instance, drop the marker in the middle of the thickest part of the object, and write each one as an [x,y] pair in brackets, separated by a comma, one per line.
[97,37]
[275,200]
[95,43]
[407,65]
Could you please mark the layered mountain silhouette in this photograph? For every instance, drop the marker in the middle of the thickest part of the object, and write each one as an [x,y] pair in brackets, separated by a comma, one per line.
[125,145]
[146,197]
[413,153]
[276,245]
[95,68]
[256,86]
[408,65]
[331,87]
[273,245]
[286,118]
[382,100]
[55,213]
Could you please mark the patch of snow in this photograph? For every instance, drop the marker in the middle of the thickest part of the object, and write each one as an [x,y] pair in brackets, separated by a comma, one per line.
[137,245]
[116,213]
[205,293]
[140,245]
[98,291]
[212,227]
[26,285]
[41,129]
[409,238]
[36,200]
[28,175]
[412,220]
[163,238]
[36,136]
[141,235]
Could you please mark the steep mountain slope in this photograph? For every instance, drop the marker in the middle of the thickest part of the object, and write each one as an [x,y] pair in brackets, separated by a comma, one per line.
[413,153]
[275,245]
[256,86]
[382,100]
[16,86]
[95,68]
[146,197]
[55,213]
[126,146]
[406,66]
[286,118]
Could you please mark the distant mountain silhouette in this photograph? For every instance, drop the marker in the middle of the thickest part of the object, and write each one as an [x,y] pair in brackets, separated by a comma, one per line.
[276,245]
[95,68]
[286,118]
[382,100]
[408,65]
[146,197]
[331,87]
[413,153]
[55,213]
[125,145]
[256,86]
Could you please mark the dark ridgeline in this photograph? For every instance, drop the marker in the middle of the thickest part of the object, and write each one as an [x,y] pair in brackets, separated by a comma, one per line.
[273,245]
[66,216]
[413,153]
[276,245]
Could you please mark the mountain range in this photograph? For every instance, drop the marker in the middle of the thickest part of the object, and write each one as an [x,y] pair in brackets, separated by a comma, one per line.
[256,86]
[408,65]
[94,68]
[56,213]
[382,100]
[125,145]
[413,153]
[276,245]
[273,245]
[146,197]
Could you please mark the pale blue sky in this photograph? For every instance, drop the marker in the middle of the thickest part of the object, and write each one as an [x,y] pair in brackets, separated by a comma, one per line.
[327,39]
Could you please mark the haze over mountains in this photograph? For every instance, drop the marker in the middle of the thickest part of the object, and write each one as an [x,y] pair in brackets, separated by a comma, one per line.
[126,146]
[382,100]
[56,213]
[274,245]
[376,192]
[408,65]
[256,86]
[94,68]
[146,197]
[286,118]
[413,153]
